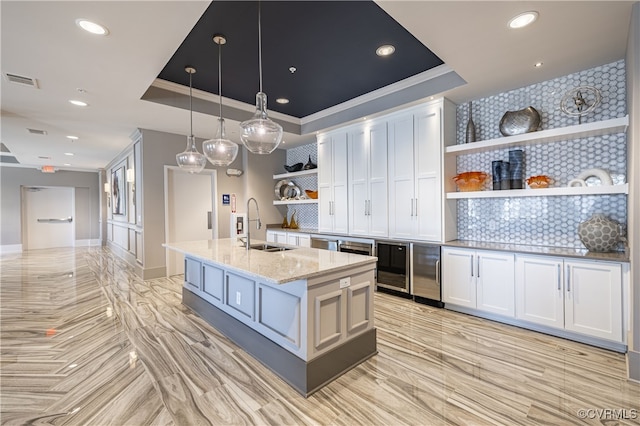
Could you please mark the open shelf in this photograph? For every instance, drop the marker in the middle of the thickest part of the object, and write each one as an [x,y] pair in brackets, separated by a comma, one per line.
[306,201]
[599,128]
[294,174]
[546,192]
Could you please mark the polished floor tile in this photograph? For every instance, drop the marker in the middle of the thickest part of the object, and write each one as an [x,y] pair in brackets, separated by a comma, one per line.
[86,342]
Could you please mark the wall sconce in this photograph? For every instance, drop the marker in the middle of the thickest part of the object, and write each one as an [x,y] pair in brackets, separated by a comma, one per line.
[107,189]
[131,178]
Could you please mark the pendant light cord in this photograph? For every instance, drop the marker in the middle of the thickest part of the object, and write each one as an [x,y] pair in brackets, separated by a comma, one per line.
[260,45]
[220,76]
[190,105]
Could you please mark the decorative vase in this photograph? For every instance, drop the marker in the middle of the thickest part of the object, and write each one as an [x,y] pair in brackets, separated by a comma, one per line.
[599,233]
[292,223]
[285,224]
[310,165]
[471,127]
[518,122]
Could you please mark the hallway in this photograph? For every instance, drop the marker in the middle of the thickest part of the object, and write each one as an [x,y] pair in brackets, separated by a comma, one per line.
[86,342]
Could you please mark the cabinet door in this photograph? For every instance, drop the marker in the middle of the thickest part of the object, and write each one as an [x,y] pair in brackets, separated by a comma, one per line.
[271,237]
[340,184]
[495,284]
[593,299]
[378,195]
[458,281]
[325,188]
[358,182]
[212,284]
[401,177]
[539,290]
[427,158]
[304,240]
[281,237]
[192,274]
[292,239]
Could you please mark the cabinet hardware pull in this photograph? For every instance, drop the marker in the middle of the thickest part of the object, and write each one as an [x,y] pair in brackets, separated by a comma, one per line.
[471,265]
[568,279]
[416,201]
[558,277]
[478,270]
[437,271]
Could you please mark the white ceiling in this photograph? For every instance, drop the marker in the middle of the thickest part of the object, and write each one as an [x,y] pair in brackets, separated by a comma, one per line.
[40,40]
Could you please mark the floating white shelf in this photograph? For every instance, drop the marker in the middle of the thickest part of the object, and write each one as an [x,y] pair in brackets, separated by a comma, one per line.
[309,201]
[294,174]
[546,192]
[599,128]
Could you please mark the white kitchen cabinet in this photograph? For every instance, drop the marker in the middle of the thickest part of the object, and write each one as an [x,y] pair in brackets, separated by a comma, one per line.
[277,237]
[332,183]
[415,166]
[575,295]
[479,279]
[367,177]
[539,290]
[298,239]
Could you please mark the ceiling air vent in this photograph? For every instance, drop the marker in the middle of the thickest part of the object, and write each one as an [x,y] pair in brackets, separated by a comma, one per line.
[37,131]
[20,79]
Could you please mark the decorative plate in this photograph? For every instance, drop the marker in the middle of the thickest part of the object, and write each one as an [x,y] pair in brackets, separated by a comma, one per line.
[282,188]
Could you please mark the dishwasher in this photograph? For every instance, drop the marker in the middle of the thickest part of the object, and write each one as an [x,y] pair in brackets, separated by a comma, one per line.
[425,274]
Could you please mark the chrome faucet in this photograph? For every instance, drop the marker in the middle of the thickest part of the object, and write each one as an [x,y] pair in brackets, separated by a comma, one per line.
[258,225]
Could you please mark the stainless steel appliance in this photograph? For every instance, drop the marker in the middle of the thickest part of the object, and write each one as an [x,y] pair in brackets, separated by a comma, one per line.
[393,266]
[356,247]
[325,243]
[425,274]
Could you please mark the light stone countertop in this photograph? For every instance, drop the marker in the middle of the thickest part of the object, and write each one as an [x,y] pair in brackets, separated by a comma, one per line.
[275,267]
[541,250]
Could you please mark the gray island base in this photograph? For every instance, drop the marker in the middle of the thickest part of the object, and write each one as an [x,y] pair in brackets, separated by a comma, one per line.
[306,314]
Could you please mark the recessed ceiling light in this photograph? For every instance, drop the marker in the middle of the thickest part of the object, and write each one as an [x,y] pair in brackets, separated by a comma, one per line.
[385,50]
[67,164]
[523,19]
[282,101]
[73,138]
[79,103]
[292,69]
[92,27]
[538,64]
[70,154]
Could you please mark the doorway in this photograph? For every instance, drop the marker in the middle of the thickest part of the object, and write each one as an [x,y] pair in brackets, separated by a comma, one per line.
[48,215]
[190,211]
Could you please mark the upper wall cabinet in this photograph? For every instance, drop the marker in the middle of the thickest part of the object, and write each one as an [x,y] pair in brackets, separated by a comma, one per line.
[416,208]
[332,183]
[367,176]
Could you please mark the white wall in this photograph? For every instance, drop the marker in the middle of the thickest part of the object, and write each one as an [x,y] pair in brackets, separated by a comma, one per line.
[633,108]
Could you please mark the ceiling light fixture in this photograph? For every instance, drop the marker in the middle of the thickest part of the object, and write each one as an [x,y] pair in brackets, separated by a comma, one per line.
[385,50]
[190,159]
[523,19]
[78,103]
[92,27]
[73,138]
[69,154]
[538,64]
[260,134]
[282,101]
[220,151]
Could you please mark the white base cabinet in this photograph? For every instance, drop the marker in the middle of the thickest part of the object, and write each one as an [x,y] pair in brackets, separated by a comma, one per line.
[579,296]
[479,279]
[290,238]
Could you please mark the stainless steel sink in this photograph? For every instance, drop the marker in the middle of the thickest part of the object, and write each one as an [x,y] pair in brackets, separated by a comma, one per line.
[269,247]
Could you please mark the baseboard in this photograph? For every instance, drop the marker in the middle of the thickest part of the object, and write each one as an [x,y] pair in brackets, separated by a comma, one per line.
[10,248]
[95,242]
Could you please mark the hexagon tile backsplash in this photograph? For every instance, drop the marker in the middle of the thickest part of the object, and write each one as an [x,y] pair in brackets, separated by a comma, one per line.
[546,221]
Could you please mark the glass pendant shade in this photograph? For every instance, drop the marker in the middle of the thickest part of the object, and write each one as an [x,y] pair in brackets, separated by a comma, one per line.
[191,160]
[260,134]
[220,151]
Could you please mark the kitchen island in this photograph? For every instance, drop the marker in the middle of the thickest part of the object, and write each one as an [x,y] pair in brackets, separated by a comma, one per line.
[305,313]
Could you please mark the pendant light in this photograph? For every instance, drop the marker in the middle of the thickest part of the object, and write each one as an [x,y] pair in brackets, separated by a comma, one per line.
[220,151]
[260,134]
[191,160]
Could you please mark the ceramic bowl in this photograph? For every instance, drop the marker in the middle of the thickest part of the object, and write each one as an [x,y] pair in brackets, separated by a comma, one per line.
[470,181]
[311,194]
[537,182]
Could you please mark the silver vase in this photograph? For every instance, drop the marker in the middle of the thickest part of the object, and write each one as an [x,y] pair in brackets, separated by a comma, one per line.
[471,127]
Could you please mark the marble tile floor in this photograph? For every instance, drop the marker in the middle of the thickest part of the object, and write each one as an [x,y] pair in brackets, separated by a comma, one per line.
[85,342]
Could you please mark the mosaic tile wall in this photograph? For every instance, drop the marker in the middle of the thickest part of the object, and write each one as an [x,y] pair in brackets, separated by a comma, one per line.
[306,214]
[549,221]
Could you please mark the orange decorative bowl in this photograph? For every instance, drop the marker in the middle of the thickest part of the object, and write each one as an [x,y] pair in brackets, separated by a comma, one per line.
[311,194]
[470,181]
[536,182]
